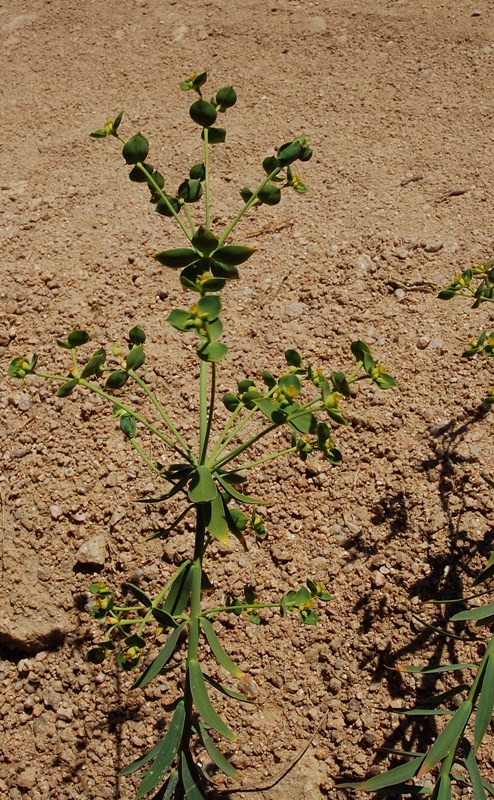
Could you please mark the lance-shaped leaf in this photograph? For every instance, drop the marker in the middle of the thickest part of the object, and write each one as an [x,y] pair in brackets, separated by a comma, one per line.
[443,788]
[140,762]
[485,704]
[227,691]
[177,258]
[448,738]
[166,754]
[480,613]
[473,771]
[214,516]
[190,777]
[242,498]
[176,488]
[161,659]
[215,755]
[218,652]
[170,786]
[203,703]
[202,488]
[390,778]
[139,594]
[179,593]
[430,670]
[488,572]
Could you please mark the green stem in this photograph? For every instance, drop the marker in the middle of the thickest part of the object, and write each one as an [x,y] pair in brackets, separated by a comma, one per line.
[163,196]
[250,202]
[189,218]
[113,400]
[210,413]
[194,626]
[265,460]
[205,134]
[245,607]
[219,446]
[240,449]
[152,466]
[203,411]
[161,411]
[163,592]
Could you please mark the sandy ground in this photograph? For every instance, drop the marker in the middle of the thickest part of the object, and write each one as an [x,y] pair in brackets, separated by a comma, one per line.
[395,97]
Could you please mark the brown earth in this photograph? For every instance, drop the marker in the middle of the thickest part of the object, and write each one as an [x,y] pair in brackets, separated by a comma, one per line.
[395,97]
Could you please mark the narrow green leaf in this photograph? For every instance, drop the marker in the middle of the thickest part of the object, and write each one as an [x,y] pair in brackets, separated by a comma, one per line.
[443,788]
[179,594]
[390,778]
[167,752]
[171,785]
[482,612]
[190,777]
[430,670]
[176,488]
[218,651]
[448,738]
[161,659]
[473,771]
[216,756]
[203,703]
[202,488]
[485,703]
[242,498]
[139,762]
[227,691]
[420,712]
[488,571]
[139,594]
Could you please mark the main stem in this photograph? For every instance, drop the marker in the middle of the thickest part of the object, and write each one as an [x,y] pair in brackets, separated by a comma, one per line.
[194,626]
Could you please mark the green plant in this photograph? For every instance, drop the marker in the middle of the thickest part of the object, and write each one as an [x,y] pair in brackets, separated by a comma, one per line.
[206,473]
[452,757]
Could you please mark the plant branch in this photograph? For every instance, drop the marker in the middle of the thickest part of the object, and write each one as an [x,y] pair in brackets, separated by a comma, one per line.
[161,411]
[250,202]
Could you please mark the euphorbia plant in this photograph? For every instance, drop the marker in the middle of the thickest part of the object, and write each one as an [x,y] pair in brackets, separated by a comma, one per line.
[206,473]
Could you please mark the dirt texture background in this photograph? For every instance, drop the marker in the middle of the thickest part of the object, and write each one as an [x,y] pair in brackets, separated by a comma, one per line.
[395,97]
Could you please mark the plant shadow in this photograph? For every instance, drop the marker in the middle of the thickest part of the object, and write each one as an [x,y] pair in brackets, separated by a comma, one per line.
[450,573]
